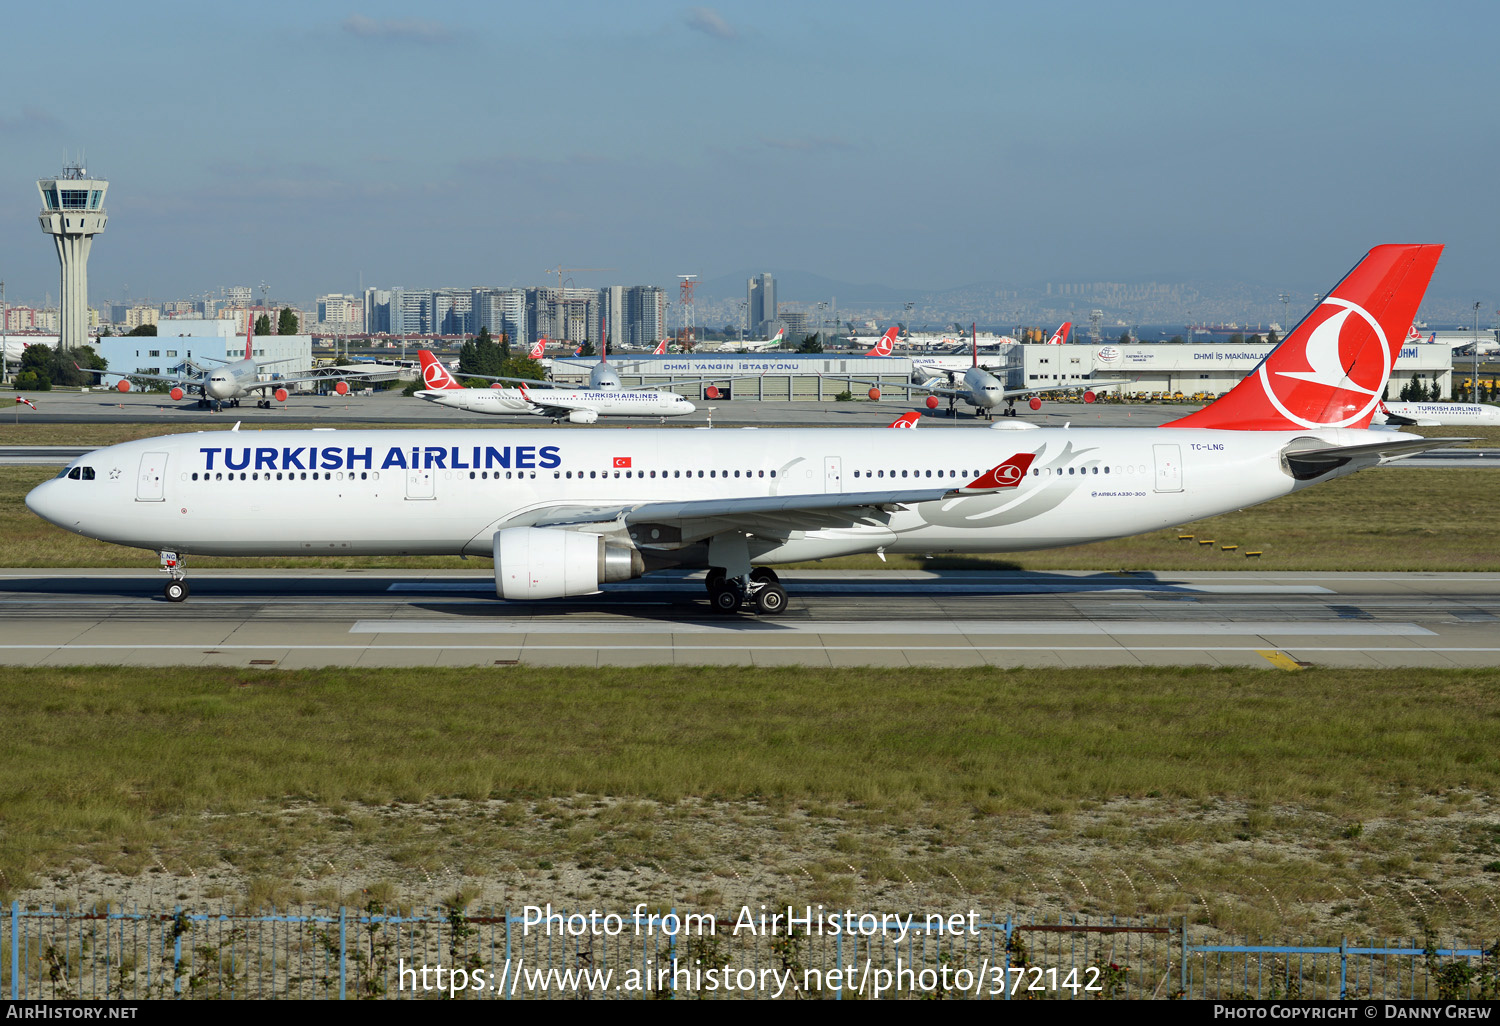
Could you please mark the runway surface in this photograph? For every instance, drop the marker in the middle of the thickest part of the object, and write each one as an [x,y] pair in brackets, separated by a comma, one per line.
[298,618]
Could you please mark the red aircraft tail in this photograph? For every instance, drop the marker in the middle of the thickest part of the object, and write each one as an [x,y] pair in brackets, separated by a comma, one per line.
[434,374]
[1333,368]
[885,345]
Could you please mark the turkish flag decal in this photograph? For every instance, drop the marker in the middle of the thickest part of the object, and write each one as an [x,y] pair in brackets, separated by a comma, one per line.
[622,462]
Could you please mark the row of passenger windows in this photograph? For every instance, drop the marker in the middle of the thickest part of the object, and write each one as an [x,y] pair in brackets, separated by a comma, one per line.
[327,475]
[664,474]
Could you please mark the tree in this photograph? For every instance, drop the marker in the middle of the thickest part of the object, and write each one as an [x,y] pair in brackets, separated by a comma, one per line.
[481,357]
[1176,340]
[1236,339]
[263,324]
[1125,337]
[588,349]
[1272,337]
[810,344]
[31,381]
[287,323]
[1254,340]
[1413,390]
[142,329]
[106,332]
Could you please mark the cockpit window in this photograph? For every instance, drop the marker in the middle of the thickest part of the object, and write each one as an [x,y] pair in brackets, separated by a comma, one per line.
[81,474]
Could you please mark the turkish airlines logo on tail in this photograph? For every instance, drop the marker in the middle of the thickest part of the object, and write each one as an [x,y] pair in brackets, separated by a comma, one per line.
[906,420]
[885,345]
[434,374]
[1060,336]
[1345,375]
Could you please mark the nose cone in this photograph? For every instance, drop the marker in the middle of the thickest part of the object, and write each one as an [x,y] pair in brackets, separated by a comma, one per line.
[687,407]
[46,501]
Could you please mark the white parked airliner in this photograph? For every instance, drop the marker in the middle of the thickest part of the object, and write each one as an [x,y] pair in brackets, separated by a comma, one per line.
[562,514]
[1437,414]
[575,405]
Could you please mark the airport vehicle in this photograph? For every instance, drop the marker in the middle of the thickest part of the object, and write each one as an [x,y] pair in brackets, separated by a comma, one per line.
[979,387]
[234,380]
[1060,336]
[562,514]
[577,406]
[1436,414]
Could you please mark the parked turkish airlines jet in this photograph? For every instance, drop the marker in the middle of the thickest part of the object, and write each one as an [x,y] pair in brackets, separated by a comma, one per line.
[1060,336]
[562,514]
[886,344]
[231,382]
[1436,414]
[576,406]
[661,348]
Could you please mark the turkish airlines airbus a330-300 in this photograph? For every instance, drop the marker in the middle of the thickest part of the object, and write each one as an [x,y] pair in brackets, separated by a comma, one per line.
[563,513]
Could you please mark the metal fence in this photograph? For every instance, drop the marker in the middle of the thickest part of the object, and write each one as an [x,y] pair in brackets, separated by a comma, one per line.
[541,952]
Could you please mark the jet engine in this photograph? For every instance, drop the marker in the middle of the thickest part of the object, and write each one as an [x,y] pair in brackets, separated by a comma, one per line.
[123,386]
[342,388]
[177,394]
[582,416]
[933,402]
[541,563]
[1035,403]
[281,395]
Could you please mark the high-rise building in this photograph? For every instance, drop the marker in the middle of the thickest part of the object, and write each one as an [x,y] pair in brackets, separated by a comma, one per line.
[762,303]
[612,307]
[73,213]
[378,311]
[502,311]
[450,311]
[645,315]
[565,315]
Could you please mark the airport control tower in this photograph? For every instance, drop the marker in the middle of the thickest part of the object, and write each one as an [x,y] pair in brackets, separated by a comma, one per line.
[73,213]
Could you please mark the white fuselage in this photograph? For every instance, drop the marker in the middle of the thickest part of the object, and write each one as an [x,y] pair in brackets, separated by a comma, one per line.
[400,492]
[542,400]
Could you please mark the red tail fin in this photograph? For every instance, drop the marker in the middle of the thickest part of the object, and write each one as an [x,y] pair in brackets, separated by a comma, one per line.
[434,375]
[538,349]
[906,420]
[661,348]
[249,331]
[1331,370]
[1060,336]
[886,344]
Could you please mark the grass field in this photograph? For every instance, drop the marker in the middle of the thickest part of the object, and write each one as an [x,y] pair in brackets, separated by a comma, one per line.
[1388,520]
[1367,806]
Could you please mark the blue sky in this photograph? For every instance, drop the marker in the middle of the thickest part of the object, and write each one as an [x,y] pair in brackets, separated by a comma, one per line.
[920,145]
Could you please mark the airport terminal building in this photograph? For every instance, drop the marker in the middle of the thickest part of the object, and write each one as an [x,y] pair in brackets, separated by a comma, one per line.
[1147,369]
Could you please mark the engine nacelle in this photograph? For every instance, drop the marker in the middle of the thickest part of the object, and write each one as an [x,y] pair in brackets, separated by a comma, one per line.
[342,388]
[542,563]
[1090,396]
[582,416]
[932,402]
[874,395]
[123,386]
[497,384]
[1035,403]
[281,394]
[177,394]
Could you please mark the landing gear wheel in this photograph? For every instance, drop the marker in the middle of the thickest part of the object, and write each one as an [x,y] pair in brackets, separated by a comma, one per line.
[726,598]
[764,575]
[770,600]
[715,579]
[176,591]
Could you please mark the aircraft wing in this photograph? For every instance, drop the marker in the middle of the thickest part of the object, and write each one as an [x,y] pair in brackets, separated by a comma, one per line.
[696,519]
[283,382]
[956,393]
[172,379]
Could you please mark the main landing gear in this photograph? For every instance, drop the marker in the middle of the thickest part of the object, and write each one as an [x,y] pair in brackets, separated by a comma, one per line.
[177,588]
[761,588]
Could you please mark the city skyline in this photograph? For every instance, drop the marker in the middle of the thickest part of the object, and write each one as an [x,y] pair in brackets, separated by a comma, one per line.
[328,149]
